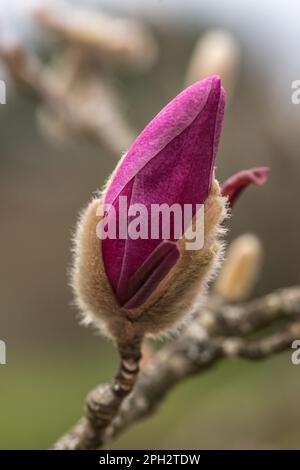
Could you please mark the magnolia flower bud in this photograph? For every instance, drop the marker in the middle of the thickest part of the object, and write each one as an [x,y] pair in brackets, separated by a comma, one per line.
[240,269]
[136,286]
[216,52]
[116,39]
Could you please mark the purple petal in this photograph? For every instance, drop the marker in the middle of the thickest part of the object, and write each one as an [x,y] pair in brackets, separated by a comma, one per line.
[235,185]
[170,162]
[150,274]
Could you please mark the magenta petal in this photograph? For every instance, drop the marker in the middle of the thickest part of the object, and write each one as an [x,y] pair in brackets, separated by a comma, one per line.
[150,274]
[234,185]
[170,162]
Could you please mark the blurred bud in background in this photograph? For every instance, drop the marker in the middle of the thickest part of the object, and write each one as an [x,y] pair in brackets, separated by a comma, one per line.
[241,268]
[216,53]
[115,39]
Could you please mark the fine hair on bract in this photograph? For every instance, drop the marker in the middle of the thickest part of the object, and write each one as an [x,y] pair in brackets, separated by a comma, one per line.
[174,299]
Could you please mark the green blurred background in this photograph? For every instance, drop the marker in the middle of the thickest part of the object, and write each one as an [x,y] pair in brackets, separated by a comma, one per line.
[52,362]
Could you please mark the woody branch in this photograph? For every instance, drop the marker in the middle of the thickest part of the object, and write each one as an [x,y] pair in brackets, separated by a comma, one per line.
[74,93]
[217,332]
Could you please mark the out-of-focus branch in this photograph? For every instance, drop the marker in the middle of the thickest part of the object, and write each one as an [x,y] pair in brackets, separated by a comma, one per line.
[262,348]
[116,39]
[247,318]
[75,91]
[198,348]
[93,114]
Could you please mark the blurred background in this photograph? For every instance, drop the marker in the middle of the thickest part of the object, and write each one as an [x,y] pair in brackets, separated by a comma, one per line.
[52,160]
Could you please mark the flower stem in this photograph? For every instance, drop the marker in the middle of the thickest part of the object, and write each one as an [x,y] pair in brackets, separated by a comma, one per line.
[103,403]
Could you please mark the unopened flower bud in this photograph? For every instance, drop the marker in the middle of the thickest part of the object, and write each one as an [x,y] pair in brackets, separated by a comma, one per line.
[147,284]
[240,269]
[216,52]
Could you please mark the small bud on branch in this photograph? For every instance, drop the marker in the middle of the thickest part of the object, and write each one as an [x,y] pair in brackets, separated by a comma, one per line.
[217,52]
[240,269]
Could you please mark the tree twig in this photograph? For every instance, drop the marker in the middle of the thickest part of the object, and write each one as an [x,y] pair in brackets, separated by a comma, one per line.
[93,112]
[202,344]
